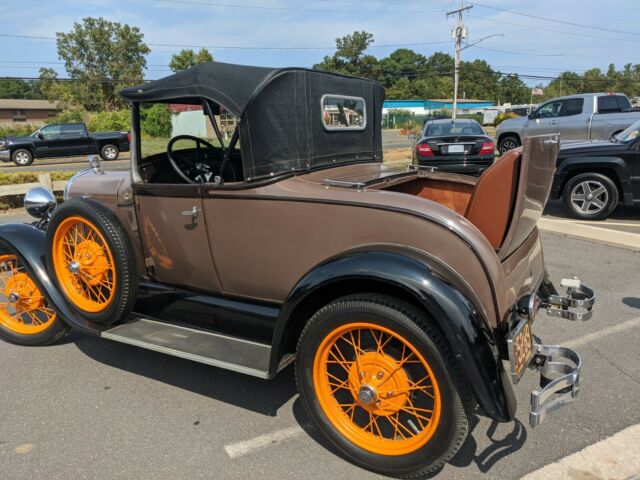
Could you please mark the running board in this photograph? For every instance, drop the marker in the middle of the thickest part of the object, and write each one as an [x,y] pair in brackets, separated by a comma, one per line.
[222,351]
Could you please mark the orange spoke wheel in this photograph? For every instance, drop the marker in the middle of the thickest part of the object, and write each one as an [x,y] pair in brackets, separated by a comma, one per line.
[376,389]
[23,309]
[84,264]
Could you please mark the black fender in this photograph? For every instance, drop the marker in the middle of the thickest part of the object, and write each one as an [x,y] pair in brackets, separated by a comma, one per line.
[28,242]
[567,166]
[469,334]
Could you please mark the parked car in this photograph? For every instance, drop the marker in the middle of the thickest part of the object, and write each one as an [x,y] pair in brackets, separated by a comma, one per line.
[459,146]
[63,140]
[575,117]
[593,177]
[397,291]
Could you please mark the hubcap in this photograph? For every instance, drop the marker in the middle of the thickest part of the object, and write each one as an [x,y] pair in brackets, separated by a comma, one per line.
[110,152]
[590,197]
[14,297]
[22,157]
[74,267]
[367,395]
[506,146]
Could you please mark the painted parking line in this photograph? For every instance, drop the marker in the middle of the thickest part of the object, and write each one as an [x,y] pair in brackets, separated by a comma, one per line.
[592,337]
[240,449]
[615,458]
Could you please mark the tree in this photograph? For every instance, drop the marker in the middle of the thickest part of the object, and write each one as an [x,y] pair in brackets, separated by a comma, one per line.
[19,89]
[58,91]
[105,56]
[349,57]
[513,90]
[187,58]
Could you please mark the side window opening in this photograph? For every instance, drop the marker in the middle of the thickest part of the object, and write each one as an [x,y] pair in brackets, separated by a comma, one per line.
[341,112]
[573,106]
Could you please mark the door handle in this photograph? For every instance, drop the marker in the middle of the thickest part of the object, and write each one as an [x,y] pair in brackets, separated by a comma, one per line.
[193,213]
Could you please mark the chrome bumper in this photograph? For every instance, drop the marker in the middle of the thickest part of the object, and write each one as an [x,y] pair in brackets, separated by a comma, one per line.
[559,366]
[5,155]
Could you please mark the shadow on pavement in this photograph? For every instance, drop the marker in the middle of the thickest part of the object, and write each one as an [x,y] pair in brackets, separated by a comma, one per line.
[485,459]
[254,394]
[633,302]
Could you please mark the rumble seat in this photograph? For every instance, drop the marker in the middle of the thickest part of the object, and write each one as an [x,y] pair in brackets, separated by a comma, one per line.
[493,197]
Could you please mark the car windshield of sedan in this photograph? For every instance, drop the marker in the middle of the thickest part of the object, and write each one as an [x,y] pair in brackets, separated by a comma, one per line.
[466,128]
[629,134]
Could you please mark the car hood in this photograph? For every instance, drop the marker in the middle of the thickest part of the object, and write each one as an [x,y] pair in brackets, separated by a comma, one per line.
[587,147]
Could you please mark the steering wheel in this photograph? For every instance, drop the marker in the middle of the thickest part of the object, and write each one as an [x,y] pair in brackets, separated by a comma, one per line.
[199,170]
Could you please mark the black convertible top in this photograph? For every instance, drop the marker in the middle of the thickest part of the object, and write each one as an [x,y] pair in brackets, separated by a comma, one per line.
[231,86]
[280,113]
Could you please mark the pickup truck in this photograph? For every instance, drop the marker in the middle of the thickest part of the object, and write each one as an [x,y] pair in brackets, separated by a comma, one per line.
[63,140]
[586,116]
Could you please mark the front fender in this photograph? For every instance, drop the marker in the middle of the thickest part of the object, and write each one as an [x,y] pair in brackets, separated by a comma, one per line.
[28,242]
[468,334]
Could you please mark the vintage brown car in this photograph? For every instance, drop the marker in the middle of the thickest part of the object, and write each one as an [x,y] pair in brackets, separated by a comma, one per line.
[404,295]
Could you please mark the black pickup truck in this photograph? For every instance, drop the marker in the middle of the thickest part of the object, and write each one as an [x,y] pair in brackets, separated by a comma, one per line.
[63,140]
[593,176]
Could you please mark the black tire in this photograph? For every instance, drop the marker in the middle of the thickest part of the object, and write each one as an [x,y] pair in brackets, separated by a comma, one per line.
[508,143]
[590,196]
[124,269]
[22,157]
[405,320]
[26,314]
[109,152]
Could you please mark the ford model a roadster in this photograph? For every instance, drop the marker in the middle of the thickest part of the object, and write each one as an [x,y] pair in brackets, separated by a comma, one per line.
[404,295]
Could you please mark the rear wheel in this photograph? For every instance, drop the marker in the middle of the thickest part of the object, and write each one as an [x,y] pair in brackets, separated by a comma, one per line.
[508,143]
[109,152]
[382,385]
[26,318]
[22,157]
[92,261]
[590,196]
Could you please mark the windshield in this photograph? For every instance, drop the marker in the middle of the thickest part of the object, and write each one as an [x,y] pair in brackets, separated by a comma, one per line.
[466,128]
[629,134]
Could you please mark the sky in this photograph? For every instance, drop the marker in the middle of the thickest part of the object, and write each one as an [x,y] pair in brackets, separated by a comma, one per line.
[525,45]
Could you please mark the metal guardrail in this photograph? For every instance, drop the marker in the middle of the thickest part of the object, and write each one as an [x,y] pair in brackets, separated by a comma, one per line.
[44,180]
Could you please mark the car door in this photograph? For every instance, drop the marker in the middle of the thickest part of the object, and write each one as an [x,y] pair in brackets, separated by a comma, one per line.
[545,119]
[47,141]
[73,140]
[174,236]
[573,122]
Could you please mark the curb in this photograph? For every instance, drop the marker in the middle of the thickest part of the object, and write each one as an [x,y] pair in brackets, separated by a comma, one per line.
[616,238]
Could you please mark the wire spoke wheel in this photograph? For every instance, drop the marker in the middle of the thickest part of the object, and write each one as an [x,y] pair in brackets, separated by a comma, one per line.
[23,308]
[376,389]
[84,264]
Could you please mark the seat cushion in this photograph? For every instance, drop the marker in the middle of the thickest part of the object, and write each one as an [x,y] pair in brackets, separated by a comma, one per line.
[493,198]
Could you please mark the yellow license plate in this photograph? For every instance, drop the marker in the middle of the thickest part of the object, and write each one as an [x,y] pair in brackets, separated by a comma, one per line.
[520,343]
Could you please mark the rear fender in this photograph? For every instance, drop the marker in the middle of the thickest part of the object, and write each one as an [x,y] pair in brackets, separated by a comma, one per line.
[568,167]
[465,329]
[28,242]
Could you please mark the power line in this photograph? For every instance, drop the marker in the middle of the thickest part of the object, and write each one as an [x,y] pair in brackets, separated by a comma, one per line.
[555,20]
[520,53]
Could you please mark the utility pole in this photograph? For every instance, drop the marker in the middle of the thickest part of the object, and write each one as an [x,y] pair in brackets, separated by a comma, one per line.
[459,33]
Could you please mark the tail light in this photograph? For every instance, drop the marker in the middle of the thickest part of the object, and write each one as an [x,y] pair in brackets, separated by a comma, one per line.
[424,150]
[129,136]
[487,147]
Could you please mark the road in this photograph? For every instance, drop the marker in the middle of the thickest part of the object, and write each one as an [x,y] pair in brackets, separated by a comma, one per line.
[90,408]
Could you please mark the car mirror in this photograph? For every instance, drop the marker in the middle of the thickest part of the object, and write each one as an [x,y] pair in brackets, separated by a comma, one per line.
[40,136]
[532,115]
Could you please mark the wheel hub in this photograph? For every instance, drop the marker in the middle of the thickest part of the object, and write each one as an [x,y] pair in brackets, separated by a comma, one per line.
[382,386]
[22,293]
[90,261]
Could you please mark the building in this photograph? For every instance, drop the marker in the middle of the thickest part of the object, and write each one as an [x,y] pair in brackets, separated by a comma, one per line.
[427,107]
[33,112]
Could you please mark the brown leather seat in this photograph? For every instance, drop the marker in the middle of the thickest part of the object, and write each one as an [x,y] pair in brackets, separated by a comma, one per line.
[492,201]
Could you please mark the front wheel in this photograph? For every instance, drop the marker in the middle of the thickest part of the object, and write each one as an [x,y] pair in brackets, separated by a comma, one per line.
[26,318]
[508,143]
[22,157]
[590,196]
[109,152]
[383,386]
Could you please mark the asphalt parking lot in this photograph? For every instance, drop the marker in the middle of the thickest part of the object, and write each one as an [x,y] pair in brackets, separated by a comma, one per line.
[90,408]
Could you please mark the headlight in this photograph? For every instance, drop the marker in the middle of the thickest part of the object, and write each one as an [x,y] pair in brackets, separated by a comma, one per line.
[39,202]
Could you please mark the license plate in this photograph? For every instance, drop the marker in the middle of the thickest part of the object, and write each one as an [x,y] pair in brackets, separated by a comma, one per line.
[456,149]
[520,344]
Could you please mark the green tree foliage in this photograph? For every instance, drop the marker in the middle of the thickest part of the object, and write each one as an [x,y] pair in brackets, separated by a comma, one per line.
[57,91]
[187,58]
[68,116]
[626,80]
[20,89]
[156,120]
[114,120]
[105,56]
[349,58]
